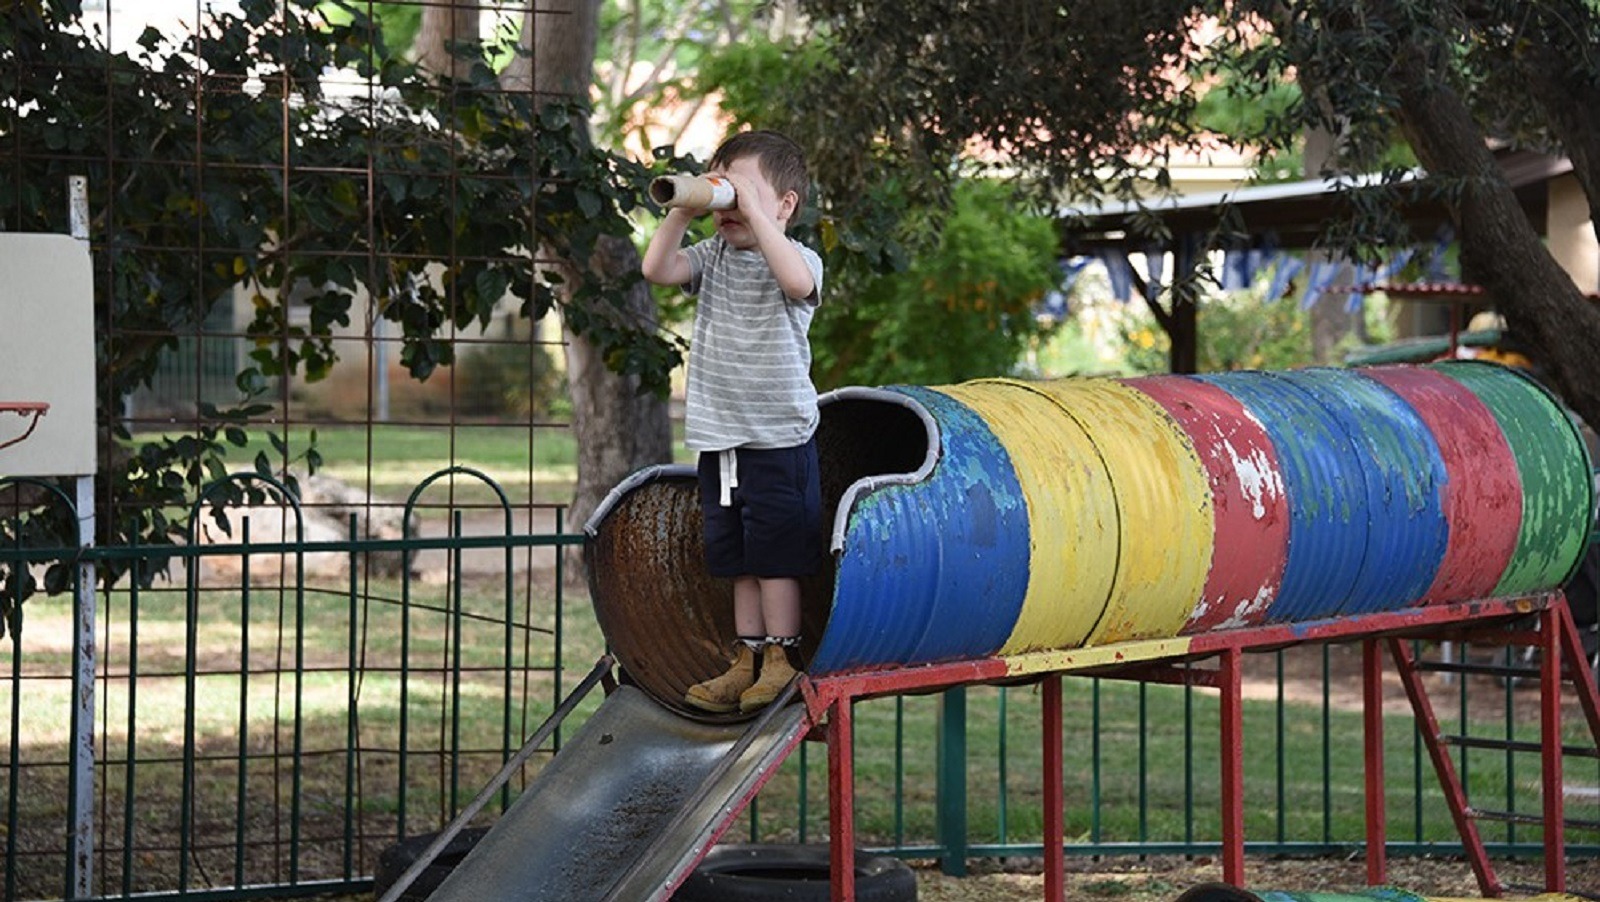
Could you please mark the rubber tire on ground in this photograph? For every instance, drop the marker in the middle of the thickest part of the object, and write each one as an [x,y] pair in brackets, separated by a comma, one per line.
[770,871]
[1218,892]
[393,861]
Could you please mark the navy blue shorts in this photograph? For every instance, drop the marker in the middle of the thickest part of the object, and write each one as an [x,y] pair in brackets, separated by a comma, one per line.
[773,528]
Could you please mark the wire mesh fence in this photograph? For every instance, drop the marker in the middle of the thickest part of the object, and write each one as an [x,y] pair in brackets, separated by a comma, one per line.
[319,265]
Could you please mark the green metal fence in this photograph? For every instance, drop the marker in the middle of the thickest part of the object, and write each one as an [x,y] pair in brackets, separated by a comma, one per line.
[274,710]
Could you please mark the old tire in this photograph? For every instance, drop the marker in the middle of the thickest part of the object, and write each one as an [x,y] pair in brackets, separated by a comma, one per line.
[765,872]
[393,861]
[1218,892]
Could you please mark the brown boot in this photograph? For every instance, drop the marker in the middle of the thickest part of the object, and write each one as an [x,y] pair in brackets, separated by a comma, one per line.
[720,695]
[776,672]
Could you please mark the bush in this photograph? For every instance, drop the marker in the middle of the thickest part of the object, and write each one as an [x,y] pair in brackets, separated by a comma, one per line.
[516,378]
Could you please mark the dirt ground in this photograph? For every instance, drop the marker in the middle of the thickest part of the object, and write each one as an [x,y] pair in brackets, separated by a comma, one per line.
[1164,879]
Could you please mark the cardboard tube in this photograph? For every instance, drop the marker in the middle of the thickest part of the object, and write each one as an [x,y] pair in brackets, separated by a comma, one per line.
[704,192]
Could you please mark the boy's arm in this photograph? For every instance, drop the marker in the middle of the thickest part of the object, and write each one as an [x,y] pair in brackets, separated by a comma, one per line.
[790,269]
[664,262]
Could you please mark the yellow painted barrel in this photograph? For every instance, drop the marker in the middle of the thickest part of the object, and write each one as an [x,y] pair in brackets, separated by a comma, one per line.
[1072,513]
[1165,523]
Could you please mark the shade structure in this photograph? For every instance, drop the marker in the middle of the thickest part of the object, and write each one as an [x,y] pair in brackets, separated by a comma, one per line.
[1001,517]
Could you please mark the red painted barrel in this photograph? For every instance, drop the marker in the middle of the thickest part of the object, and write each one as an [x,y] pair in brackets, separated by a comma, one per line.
[1482,492]
[1252,512]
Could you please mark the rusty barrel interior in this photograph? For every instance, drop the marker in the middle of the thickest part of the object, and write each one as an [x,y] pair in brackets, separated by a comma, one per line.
[669,622]
[1000,517]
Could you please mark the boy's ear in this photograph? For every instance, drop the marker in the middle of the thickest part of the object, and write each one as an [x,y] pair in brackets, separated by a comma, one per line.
[787,204]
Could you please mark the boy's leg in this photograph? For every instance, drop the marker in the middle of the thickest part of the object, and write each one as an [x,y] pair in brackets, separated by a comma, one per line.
[780,606]
[721,694]
[749,607]
[779,598]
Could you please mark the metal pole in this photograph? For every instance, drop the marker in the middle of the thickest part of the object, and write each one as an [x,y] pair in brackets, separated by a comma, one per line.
[1555,837]
[80,858]
[80,851]
[952,781]
[1372,722]
[1232,717]
[841,800]
[1054,791]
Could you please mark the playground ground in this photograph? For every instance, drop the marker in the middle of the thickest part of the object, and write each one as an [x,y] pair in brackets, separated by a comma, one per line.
[1164,879]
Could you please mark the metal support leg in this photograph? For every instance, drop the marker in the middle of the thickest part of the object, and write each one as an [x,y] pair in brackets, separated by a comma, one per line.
[1054,828]
[841,800]
[1449,780]
[1555,837]
[1372,733]
[1232,685]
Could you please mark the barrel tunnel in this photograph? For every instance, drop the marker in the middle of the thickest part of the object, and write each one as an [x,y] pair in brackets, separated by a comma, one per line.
[1000,516]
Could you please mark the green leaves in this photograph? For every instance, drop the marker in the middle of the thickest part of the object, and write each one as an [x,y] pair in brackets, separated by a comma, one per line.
[224,165]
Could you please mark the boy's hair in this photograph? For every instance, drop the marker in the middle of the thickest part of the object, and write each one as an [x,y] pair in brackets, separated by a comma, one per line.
[781,160]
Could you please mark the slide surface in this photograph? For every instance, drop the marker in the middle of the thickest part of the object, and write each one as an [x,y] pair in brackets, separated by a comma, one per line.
[627,808]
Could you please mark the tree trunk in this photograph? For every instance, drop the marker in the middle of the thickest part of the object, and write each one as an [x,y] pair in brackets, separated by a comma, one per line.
[1547,59]
[1331,321]
[1499,246]
[455,22]
[616,429]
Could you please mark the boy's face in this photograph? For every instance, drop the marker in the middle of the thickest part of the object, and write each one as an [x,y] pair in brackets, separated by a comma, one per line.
[731,225]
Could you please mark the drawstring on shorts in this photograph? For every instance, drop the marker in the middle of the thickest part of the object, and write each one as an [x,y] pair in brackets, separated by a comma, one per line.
[727,476]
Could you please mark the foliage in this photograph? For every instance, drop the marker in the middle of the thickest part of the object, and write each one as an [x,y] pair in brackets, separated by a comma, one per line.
[230,161]
[1070,92]
[962,309]
[1237,331]
[514,378]
[1243,330]
[920,287]
[652,54]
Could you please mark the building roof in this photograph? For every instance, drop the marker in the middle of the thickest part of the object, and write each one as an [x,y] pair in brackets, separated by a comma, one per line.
[1288,214]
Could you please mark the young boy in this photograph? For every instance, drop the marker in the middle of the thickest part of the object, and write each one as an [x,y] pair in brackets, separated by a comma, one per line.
[751,407]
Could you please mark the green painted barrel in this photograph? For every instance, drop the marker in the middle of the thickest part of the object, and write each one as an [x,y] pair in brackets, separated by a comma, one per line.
[1555,475]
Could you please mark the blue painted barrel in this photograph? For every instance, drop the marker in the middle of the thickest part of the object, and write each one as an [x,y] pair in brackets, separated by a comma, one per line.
[938,568]
[1327,533]
[950,540]
[1399,463]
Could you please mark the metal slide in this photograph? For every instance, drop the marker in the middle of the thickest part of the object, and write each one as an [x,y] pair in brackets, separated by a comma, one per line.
[627,808]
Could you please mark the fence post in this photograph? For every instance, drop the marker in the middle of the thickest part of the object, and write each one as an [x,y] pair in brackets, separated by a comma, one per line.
[80,852]
[952,781]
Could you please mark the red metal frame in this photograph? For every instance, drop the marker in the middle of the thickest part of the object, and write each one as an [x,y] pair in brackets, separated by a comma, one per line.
[1372,738]
[1055,855]
[1555,833]
[830,701]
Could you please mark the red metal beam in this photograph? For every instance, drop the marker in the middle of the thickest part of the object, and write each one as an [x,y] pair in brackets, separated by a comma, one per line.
[1124,658]
[1055,868]
[1555,833]
[1372,734]
[1232,755]
[1449,781]
[841,800]
[1578,669]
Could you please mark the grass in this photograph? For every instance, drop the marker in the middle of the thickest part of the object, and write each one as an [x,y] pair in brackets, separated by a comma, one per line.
[1142,761]
[533,464]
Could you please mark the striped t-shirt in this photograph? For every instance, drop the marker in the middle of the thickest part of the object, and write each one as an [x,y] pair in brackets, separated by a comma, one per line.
[749,380]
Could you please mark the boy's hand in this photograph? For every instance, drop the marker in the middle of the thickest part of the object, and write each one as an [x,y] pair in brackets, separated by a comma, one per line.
[747,200]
